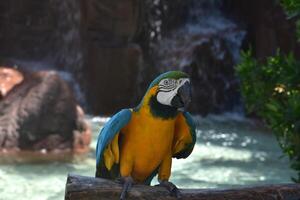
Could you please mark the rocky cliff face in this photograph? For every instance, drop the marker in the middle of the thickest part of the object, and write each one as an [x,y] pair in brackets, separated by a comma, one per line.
[266,24]
[112,59]
[41,31]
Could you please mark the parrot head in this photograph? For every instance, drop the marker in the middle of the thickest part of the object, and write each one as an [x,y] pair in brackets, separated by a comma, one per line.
[169,92]
[174,89]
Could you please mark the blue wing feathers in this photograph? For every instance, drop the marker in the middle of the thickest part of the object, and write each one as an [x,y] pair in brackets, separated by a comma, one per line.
[191,124]
[110,129]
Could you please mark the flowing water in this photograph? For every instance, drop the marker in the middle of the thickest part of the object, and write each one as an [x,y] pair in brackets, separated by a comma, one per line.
[205,22]
[231,151]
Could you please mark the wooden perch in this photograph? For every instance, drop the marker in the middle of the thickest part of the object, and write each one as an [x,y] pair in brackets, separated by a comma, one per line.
[88,188]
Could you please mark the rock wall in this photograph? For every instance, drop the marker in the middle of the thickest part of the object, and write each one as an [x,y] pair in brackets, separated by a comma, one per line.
[41,31]
[26,29]
[112,59]
[266,24]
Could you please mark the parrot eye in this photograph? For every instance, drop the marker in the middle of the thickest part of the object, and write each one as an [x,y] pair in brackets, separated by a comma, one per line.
[166,82]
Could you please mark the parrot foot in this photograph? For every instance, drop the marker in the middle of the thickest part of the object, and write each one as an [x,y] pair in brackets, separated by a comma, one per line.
[127,184]
[174,191]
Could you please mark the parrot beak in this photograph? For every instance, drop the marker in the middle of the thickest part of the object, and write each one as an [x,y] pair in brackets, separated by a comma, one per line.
[183,97]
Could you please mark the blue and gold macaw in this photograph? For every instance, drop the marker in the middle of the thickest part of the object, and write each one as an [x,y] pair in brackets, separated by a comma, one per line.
[136,144]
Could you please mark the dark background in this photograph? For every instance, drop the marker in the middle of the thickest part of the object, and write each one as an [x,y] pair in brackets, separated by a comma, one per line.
[113,48]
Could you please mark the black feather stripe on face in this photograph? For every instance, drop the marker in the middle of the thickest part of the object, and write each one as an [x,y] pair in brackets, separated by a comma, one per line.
[167,87]
[165,90]
[163,111]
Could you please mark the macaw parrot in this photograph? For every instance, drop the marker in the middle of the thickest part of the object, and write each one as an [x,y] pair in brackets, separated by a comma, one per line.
[137,144]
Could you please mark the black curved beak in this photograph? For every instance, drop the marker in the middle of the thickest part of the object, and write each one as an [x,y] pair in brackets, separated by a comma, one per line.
[183,97]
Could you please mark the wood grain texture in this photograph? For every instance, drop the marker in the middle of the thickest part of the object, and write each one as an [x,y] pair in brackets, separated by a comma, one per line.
[90,188]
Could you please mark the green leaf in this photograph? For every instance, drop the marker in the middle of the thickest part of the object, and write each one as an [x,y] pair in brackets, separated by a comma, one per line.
[272,107]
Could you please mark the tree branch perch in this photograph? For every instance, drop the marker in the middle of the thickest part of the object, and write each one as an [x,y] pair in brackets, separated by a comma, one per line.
[89,188]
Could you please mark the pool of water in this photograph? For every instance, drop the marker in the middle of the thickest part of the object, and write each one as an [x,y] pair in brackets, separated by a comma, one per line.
[231,151]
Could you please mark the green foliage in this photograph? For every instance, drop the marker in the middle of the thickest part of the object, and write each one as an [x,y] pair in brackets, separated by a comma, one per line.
[298,29]
[272,91]
[292,8]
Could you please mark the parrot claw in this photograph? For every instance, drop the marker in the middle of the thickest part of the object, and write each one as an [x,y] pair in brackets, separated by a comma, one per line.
[174,191]
[127,184]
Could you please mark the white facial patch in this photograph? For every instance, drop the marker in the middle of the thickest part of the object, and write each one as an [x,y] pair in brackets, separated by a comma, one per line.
[168,89]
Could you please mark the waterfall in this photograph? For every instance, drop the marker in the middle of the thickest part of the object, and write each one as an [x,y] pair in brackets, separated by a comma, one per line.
[68,50]
[207,46]
[205,20]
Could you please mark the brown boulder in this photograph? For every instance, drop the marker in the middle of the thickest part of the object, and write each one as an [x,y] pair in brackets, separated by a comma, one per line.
[41,114]
[83,135]
[9,78]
